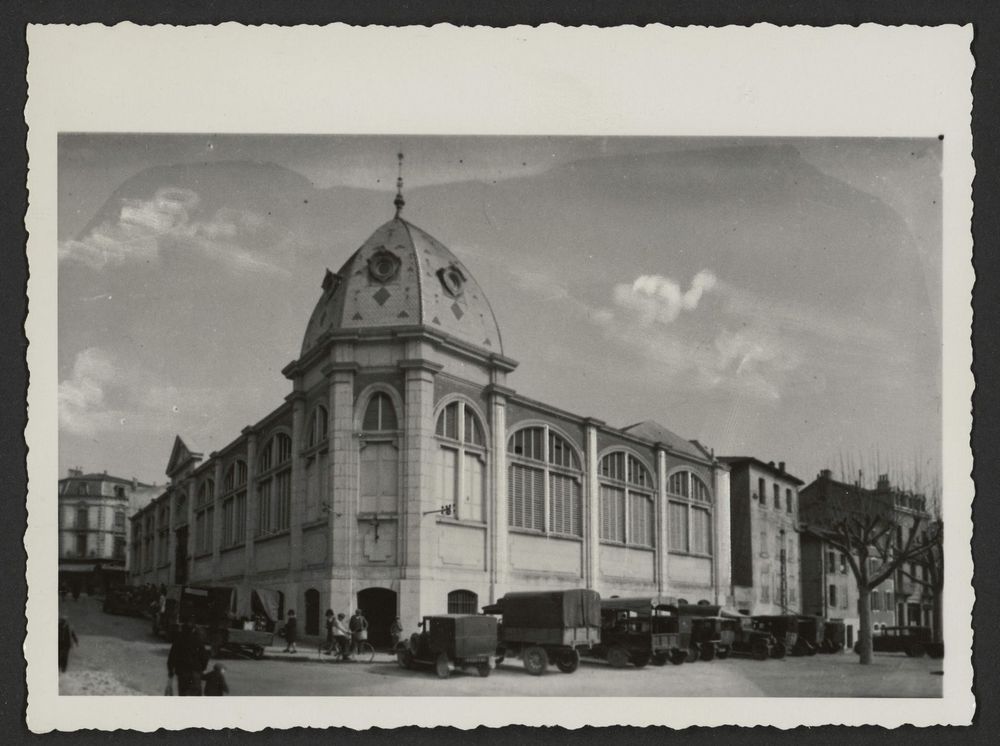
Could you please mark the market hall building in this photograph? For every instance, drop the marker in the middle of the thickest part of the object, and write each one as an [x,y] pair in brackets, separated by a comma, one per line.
[403,475]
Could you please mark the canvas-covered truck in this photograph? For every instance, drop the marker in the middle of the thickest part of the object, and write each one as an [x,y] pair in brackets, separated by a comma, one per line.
[449,641]
[784,628]
[717,632]
[543,627]
[641,630]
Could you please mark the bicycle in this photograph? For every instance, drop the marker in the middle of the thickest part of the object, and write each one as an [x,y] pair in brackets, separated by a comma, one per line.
[363,651]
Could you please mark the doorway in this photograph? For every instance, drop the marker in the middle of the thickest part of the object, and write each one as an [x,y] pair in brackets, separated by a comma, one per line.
[379,607]
[181,556]
[312,612]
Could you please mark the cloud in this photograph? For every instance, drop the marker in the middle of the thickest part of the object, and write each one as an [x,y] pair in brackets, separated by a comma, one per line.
[81,397]
[656,299]
[146,227]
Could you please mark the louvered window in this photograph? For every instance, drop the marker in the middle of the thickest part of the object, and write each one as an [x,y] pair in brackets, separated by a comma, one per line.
[689,517]
[627,507]
[544,478]
[461,466]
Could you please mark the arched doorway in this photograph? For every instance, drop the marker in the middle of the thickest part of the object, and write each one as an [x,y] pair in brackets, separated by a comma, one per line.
[379,607]
[312,612]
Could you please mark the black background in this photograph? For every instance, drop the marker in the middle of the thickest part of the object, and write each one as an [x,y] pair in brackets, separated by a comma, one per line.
[14,18]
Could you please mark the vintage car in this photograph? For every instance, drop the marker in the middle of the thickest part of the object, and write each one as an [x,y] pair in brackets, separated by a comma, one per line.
[910,640]
[784,628]
[450,641]
[542,627]
[720,632]
[640,630]
[811,631]
[834,636]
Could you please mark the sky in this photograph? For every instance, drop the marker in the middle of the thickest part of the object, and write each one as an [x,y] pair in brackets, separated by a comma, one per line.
[777,298]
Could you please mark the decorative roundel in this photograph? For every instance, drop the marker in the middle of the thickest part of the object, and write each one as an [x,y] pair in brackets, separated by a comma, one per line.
[452,280]
[383,265]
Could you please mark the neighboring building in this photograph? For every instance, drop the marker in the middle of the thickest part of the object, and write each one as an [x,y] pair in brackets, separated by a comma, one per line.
[402,474]
[93,519]
[828,585]
[764,526]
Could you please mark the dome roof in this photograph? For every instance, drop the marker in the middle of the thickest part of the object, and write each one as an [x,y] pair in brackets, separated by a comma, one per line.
[401,277]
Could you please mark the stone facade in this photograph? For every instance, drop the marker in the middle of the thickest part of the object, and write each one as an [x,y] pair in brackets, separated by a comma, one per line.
[404,476]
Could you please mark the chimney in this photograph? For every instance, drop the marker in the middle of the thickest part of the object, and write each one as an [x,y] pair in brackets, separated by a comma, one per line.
[75,472]
[781,466]
[135,484]
[825,474]
[883,483]
[771,464]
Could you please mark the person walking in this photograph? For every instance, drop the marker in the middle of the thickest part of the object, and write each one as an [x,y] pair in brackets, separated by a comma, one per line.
[187,660]
[215,682]
[331,623]
[359,629]
[291,632]
[67,639]
[395,632]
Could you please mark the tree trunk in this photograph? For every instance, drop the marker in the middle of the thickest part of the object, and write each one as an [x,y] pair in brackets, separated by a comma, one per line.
[864,624]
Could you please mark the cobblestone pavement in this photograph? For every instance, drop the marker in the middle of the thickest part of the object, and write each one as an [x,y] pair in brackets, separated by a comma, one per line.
[119,655]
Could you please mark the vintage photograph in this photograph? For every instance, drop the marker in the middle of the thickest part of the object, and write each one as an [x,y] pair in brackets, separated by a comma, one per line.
[500,407]
[384,406]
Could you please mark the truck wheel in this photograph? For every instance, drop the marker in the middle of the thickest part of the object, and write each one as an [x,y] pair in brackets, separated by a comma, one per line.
[810,649]
[441,667]
[707,652]
[916,650]
[404,658]
[678,656]
[779,650]
[759,650]
[257,652]
[568,661]
[722,653]
[483,669]
[660,659]
[617,656]
[641,660]
[535,660]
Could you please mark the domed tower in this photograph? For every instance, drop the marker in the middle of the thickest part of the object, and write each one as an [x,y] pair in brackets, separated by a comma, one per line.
[398,394]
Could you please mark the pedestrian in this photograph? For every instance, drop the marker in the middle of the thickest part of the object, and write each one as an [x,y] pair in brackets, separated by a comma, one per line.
[215,681]
[291,632]
[343,636]
[395,632]
[187,660]
[67,639]
[359,629]
[331,624]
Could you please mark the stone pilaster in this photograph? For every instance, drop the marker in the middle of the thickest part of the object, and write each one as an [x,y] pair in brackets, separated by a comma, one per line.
[297,508]
[343,480]
[498,559]
[722,551]
[591,509]
[251,512]
[662,534]
[216,518]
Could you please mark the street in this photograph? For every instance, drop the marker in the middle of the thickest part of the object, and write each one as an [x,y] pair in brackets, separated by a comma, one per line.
[118,655]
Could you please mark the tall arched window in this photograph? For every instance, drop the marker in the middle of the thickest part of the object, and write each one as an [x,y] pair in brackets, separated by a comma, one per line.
[689,514]
[461,467]
[234,504]
[379,456]
[627,508]
[318,426]
[204,516]
[544,476]
[274,485]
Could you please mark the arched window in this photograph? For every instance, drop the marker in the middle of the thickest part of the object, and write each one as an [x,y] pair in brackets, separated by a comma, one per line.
[379,456]
[274,486]
[234,504]
[627,508]
[463,602]
[689,514]
[319,422]
[204,517]
[461,461]
[380,414]
[544,476]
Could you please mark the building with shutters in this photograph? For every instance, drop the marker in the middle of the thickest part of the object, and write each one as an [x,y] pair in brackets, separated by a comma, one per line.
[93,519]
[764,514]
[404,475]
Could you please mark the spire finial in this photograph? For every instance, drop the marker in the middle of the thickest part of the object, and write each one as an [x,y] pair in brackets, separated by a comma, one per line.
[399,201]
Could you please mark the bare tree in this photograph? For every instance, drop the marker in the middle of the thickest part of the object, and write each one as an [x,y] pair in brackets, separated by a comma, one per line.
[931,565]
[865,525]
